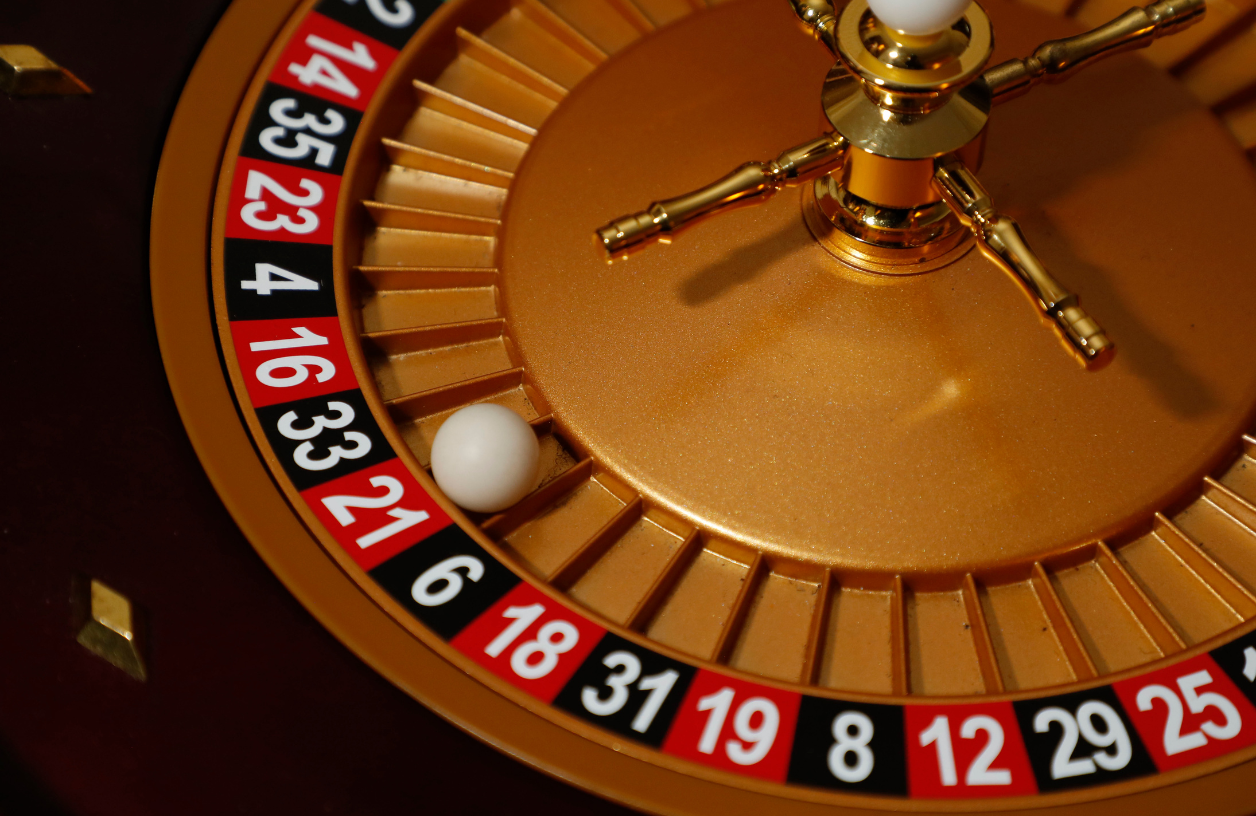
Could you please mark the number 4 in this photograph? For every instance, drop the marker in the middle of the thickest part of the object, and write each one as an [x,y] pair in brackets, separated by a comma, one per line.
[264,283]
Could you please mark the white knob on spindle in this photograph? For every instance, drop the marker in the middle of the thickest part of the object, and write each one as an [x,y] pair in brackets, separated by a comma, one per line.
[919,17]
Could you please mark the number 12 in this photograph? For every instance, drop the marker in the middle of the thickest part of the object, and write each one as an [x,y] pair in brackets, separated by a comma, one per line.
[979,772]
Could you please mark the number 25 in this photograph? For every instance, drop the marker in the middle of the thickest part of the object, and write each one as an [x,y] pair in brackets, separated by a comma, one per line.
[1175,742]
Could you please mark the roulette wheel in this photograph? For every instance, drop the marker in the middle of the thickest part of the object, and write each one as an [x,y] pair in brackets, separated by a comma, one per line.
[822,520]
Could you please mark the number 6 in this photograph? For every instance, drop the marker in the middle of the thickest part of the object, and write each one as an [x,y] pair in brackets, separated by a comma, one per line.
[299,365]
[445,571]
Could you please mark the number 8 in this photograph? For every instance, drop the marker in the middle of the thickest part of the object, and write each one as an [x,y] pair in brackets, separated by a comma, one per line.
[848,743]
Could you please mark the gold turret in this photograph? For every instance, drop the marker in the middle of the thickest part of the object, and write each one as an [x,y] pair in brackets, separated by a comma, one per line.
[894,187]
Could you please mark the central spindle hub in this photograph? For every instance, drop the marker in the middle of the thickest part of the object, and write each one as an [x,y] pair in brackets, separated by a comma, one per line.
[901,100]
[894,184]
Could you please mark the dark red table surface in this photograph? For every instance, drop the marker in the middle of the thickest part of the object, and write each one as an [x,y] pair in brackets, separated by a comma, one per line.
[251,708]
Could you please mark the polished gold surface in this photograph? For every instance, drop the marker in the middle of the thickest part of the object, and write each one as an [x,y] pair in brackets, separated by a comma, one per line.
[900,113]
[914,82]
[747,382]
[436,339]
[913,52]
[751,183]
[108,626]
[819,19]
[909,227]
[1002,241]
[1058,60]
[892,101]
[884,132]
[25,71]
[879,239]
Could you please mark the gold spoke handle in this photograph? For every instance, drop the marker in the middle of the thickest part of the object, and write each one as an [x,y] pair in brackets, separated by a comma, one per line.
[1002,241]
[1057,60]
[749,184]
[819,18]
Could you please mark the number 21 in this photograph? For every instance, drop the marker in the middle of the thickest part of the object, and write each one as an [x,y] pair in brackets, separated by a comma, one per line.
[405,519]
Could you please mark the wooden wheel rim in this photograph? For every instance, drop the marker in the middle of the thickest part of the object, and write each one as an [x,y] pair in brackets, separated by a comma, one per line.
[484,706]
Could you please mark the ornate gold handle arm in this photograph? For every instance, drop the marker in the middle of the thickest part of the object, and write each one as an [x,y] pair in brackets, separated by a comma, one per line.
[1057,60]
[820,18]
[751,181]
[1002,241]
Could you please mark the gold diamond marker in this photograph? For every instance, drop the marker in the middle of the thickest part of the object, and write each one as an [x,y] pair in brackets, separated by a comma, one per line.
[110,629]
[25,71]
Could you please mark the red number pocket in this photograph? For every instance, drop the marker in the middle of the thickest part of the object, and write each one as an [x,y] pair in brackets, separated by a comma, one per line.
[735,725]
[966,752]
[376,513]
[274,202]
[1188,712]
[334,62]
[530,641]
[291,359]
